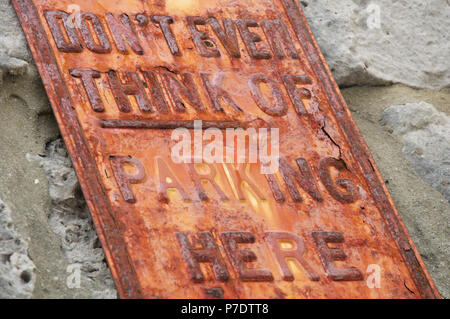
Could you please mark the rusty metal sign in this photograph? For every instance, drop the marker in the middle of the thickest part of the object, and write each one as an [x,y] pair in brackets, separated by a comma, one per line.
[129,80]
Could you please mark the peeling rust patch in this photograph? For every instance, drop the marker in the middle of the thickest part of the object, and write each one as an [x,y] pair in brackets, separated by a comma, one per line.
[123,76]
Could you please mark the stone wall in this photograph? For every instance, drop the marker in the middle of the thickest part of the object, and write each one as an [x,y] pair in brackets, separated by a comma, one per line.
[395,76]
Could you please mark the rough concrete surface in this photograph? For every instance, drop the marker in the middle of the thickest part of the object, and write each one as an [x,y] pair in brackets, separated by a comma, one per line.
[408,42]
[426,141]
[70,220]
[16,268]
[45,228]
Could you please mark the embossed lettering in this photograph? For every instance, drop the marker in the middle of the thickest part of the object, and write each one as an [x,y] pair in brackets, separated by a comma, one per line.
[132,86]
[329,255]
[185,90]
[240,175]
[56,20]
[240,257]
[250,39]
[280,107]
[167,179]
[227,35]
[297,95]
[164,22]
[205,45]
[350,195]
[123,178]
[278,36]
[156,92]
[124,32]
[209,253]
[88,77]
[274,240]
[197,178]
[275,188]
[104,45]
[303,177]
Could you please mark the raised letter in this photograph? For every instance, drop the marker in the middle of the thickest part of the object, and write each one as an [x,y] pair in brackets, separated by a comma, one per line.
[280,107]
[167,179]
[124,30]
[329,255]
[185,88]
[351,194]
[197,178]
[296,95]
[227,35]
[156,92]
[87,78]
[274,239]
[250,39]
[275,188]
[303,177]
[104,46]
[132,86]
[238,176]
[124,179]
[74,44]
[240,257]
[208,254]
[278,35]
[205,45]
[165,22]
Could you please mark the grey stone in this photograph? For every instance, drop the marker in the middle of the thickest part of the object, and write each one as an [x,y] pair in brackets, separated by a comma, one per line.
[12,39]
[27,126]
[71,221]
[14,52]
[426,141]
[410,46]
[13,66]
[16,268]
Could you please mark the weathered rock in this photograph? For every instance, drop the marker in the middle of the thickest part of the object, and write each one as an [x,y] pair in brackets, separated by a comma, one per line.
[426,141]
[16,268]
[410,46]
[71,221]
[12,39]
[25,127]
[13,66]
[14,52]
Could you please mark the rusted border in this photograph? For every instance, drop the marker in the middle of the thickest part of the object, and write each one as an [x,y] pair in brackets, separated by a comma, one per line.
[121,268]
[361,152]
[127,283]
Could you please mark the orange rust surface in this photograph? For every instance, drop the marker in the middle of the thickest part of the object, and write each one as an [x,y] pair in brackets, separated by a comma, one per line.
[139,236]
